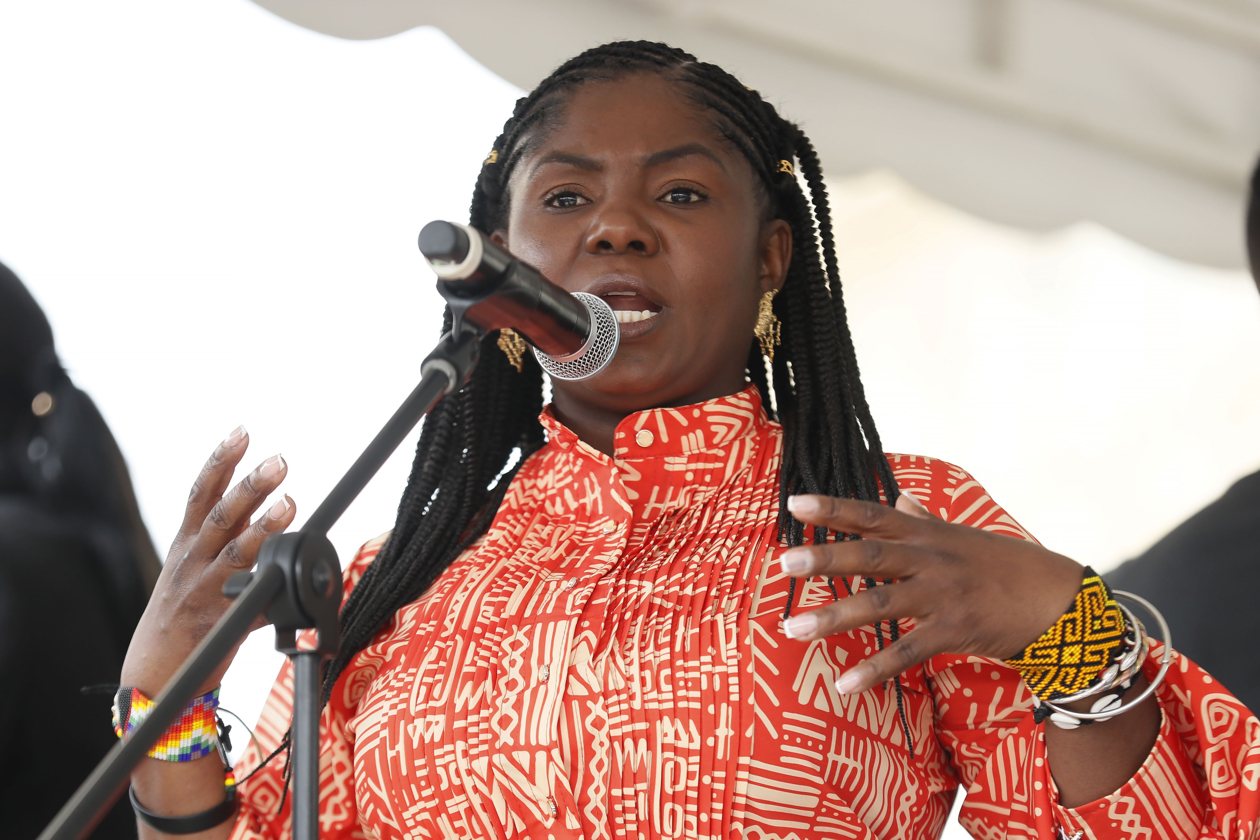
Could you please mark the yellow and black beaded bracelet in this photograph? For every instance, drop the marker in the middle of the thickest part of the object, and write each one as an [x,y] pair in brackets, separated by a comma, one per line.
[1072,655]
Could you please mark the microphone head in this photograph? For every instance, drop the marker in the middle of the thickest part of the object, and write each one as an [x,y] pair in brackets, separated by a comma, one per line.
[599,349]
[443,242]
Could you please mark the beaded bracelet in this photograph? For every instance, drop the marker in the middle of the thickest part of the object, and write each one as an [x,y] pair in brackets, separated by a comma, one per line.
[1079,652]
[193,735]
[1100,713]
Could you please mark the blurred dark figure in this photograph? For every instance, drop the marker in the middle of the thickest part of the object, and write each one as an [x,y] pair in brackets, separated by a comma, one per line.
[76,568]
[1205,575]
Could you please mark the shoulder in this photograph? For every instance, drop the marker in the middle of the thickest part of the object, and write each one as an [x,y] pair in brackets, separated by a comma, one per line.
[951,493]
[362,559]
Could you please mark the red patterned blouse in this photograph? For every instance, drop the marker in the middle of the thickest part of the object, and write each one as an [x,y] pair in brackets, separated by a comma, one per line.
[609,661]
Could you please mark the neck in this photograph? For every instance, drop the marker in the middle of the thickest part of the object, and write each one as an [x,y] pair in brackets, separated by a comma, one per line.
[594,425]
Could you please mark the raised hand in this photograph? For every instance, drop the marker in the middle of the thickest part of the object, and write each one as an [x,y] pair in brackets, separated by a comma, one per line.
[969,591]
[215,540]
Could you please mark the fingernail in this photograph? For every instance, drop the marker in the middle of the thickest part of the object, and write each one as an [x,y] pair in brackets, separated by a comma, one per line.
[849,681]
[802,505]
[795,561]
[280,508]
[800,626]
[272,466]
[238,434]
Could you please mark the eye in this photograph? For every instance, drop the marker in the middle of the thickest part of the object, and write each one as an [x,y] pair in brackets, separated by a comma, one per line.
[683,195]
[565,200]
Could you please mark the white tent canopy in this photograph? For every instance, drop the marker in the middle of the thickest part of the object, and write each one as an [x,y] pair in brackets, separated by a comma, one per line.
[1140,115]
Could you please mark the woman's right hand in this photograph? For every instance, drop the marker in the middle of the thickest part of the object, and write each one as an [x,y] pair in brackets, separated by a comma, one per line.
[215,541]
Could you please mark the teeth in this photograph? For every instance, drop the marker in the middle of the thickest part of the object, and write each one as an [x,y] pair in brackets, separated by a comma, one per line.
[630,316]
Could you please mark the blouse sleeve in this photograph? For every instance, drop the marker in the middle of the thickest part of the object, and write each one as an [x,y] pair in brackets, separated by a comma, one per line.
[1199,780]
[264,807]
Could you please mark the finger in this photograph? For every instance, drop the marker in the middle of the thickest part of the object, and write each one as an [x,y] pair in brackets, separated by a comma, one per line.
[909,504]
[241,552]
[231,515]
[900,656]
[878,603]
[850,516]
[212,482]
[868,558]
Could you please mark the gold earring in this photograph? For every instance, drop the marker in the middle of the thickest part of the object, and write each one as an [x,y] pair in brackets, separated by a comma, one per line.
[768,329]
[514,347]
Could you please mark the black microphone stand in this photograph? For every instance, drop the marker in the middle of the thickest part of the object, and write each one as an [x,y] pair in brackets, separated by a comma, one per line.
[297,586]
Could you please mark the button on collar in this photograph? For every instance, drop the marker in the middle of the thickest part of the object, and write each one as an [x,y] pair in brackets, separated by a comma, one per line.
[644,438]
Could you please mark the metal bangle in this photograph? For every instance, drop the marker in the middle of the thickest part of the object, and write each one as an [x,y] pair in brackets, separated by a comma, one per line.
[1165,663]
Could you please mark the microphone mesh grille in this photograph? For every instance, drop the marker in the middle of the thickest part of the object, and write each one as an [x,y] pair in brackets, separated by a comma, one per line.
[600,347]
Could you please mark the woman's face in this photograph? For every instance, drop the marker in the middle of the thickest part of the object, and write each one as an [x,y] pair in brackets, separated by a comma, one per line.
[632,195]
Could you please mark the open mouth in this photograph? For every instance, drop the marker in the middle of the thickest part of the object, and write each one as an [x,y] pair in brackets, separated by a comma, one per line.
[630,307]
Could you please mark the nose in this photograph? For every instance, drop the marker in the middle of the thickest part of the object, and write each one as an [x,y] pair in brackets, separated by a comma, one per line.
[617,229]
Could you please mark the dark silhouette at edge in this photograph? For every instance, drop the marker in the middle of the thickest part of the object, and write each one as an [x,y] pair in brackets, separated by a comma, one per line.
[76,569]
[1205,575]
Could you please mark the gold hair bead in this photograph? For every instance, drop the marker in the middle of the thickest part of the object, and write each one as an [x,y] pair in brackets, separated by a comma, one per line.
[786,166]
[493,157]
[42,404]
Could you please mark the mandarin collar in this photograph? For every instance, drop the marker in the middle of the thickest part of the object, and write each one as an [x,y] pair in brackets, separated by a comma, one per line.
[672,432]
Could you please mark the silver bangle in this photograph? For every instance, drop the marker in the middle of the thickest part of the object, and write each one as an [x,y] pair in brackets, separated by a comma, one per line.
[1165,662]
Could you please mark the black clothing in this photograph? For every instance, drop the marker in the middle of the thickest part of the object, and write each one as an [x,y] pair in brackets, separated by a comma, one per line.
[1205,578]
[59,631]
[76,570]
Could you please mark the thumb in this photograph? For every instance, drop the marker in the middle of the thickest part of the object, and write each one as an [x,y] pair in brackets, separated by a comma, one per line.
[908,504]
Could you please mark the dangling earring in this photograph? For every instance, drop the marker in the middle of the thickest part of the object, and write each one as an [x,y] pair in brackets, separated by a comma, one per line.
[514,347]
[768,329]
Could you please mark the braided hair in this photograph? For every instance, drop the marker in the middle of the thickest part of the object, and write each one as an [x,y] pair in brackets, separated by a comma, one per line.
[468,445]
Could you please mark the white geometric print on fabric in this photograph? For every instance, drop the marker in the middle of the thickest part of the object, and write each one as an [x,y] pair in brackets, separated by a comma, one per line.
[609,661]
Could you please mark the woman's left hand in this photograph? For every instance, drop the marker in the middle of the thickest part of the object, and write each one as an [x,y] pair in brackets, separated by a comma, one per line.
[969,591]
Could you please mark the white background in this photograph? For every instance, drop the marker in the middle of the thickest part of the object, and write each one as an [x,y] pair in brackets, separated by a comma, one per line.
[218,212]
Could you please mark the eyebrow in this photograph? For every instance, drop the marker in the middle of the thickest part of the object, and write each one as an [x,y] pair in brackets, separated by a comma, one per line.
[589,164]
[582,162]
[679,152]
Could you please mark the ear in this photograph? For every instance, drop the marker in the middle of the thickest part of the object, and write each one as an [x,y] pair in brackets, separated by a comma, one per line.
[499,237]
[776,254]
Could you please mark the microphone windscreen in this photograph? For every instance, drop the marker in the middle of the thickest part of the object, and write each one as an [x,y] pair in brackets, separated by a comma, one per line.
[443,242]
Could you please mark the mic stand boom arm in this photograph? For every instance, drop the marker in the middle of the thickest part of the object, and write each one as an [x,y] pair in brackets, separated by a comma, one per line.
[297,586]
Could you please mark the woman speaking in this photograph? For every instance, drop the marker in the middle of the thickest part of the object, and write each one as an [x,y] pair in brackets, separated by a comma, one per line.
[693,596]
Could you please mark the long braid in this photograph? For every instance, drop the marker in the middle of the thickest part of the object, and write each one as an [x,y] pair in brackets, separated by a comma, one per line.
[831,446]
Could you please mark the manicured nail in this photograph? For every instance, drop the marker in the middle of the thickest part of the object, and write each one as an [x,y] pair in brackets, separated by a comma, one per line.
[272,466]
[280,508]
[231,441]
[914,500]
[849,681]
[795,561]
[800,626]
[802,505]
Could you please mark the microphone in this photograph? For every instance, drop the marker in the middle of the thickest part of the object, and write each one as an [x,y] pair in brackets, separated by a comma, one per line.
[574,336]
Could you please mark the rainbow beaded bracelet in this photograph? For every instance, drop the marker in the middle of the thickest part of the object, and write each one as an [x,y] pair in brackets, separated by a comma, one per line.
[193,735]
